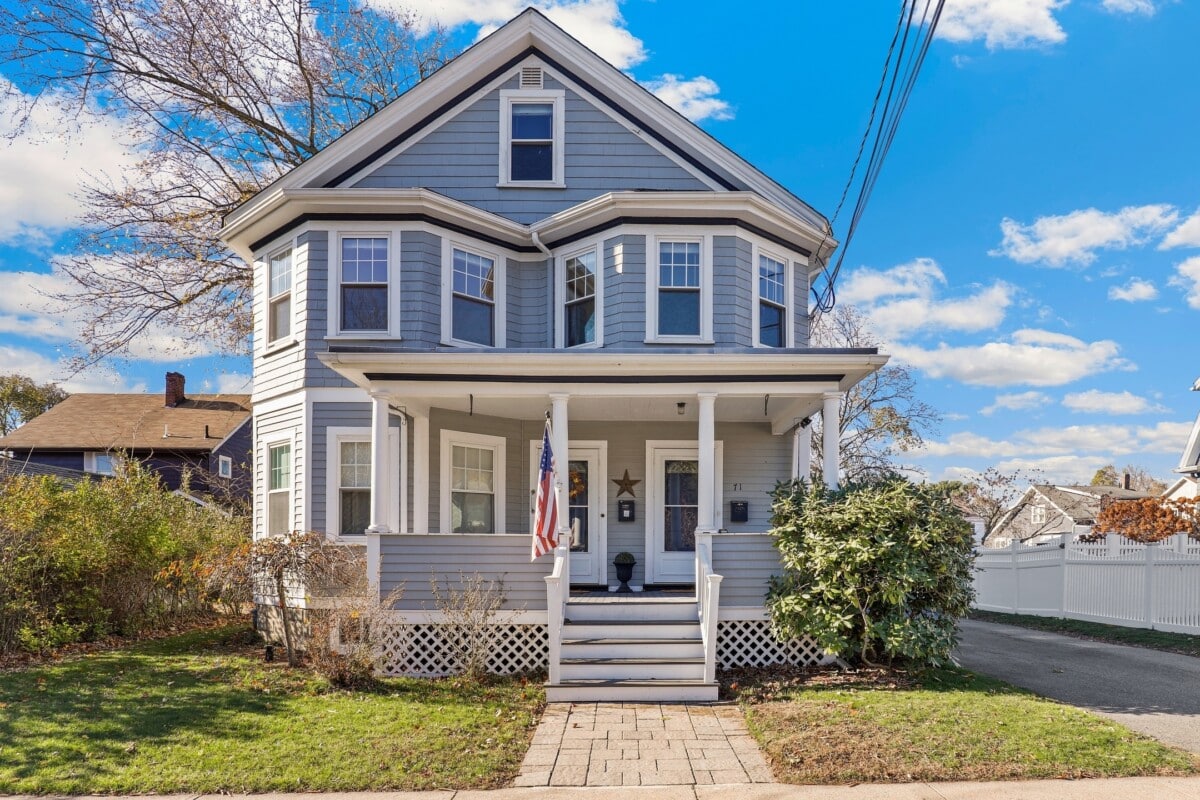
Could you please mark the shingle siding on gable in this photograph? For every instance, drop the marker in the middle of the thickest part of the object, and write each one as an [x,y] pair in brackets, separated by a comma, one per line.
[732,292]
[461,160]
[530,298]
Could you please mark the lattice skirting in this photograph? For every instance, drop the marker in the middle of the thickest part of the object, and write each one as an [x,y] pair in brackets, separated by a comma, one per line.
[750,643]
[424,650]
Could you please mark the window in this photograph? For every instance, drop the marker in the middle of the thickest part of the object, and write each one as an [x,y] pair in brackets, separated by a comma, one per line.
[1037,515]
[279,294]
[772,302]
[354,487]
[279,489]
[579,312]
[364,283]
[532,138]
[101,463]
[224,467]
[473,298]
[679,289]
[472,497]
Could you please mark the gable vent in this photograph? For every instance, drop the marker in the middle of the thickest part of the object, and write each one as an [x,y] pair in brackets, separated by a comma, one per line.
[531,77]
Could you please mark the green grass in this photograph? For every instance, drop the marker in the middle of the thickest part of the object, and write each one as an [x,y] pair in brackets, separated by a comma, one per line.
[945,725]
[201,713]
[1116,634]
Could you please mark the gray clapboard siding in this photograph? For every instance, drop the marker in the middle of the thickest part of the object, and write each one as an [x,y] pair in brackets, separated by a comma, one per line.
[625,291]
[516,499]
[317,310]
[733,292]
[746,562]
[410,560]
[420,288]
[325,416]
[461,160]
[800,286]
[530,298]
[285,424]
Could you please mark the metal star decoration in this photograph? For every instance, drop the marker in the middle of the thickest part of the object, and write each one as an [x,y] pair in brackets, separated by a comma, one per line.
[626,484]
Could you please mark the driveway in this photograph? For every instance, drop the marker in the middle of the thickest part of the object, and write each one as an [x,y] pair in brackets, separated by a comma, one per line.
[1152,692]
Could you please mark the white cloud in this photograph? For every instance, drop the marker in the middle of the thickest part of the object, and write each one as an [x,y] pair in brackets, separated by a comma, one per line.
[1074,238]
[1095,401]
[44,157]
[1002,23]
[1145,7]
[1187,277]
[1063,470]
[42,369]
[1033,357]
[1109,441]
[696,98]
[234,383]
[1136,290]
[1186,235]
[905,299]
[1021,401]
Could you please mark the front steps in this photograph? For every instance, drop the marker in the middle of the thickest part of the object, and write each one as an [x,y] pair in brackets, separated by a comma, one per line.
[632,650]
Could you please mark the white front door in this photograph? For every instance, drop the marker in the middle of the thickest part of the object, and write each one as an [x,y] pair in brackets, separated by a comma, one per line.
[584,506]
[672,509]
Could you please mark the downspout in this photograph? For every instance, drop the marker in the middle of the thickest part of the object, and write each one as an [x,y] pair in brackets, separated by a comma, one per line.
[537,242]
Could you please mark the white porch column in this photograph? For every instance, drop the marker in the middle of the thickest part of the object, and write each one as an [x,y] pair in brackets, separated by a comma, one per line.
[560,444]
[420,500]
[831,437]
[380,484]
[706,442]
[802,451]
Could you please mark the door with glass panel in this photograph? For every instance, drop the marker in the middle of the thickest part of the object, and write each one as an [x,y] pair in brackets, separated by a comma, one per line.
[673,510]
[584,506]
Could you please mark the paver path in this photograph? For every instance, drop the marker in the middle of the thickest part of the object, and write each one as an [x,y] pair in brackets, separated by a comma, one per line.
[642,744]
[1152,692]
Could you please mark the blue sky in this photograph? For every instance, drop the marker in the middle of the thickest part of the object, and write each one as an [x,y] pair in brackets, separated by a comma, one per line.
[1032,249]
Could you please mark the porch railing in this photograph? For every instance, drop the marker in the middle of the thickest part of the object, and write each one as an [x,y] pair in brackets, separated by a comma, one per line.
[558,590]
[708,598]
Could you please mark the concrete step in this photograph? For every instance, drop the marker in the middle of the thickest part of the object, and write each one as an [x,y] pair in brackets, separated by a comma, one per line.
[651,691]
[611,647]
[679,629]
[632,669]
[669,609]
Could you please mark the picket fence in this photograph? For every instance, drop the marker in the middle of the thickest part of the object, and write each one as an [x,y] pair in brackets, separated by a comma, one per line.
[1116,581]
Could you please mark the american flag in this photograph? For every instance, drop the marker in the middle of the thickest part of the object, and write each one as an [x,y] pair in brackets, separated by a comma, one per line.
[545,513]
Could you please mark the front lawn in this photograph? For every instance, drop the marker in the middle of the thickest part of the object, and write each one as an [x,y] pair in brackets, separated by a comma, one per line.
[1114,634]
[201,713]
[883,725]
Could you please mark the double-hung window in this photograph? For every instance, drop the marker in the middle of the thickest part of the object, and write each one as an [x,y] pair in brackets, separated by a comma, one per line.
[364,283]
[354,487]
[279,296]
[679,288]
[279,489]
[472,483]
[579,307]
[224,467]
[473,298]
[772,301]
[532,138]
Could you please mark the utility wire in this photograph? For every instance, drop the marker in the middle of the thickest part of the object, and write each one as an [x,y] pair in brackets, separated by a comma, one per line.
[899,76]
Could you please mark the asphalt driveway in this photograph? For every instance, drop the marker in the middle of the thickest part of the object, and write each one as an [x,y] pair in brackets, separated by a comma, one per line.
[1152,692]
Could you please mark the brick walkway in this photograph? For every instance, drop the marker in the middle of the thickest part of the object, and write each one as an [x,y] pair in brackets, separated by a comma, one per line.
[642,744]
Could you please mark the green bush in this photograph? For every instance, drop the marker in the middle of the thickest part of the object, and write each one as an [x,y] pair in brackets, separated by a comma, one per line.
[872,571]
[104,556]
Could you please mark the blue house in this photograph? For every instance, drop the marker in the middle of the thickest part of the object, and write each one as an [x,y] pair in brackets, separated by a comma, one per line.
[530,232]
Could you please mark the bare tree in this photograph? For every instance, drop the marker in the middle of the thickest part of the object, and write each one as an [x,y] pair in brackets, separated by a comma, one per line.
[881,417]
[219,98]
[991,493]
[1140,479]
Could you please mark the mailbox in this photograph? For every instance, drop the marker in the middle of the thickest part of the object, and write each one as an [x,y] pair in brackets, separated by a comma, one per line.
[739,511]
[625,511]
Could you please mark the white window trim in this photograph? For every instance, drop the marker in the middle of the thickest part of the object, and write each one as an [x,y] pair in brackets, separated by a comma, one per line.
[273,345]
[706,287]
[498,446]
[500,300]
[789,295]
[224,467]
[290,441]
[1037,514]
[557,97]
[560,295]
[334,437]
[334,293]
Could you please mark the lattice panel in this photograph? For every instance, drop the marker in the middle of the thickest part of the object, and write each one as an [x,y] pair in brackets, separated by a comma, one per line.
[423,650]
[751,643]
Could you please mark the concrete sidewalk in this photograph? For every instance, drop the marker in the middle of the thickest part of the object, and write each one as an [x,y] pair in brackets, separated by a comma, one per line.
[1104,789]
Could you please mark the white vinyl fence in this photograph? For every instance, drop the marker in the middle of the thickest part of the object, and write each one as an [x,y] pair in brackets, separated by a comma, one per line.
[1114,581]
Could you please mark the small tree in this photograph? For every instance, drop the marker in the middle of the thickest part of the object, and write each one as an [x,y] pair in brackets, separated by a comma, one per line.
[1140,479]
[878,570]
[471,611]
[22,399]
[1149,519]
[989,494]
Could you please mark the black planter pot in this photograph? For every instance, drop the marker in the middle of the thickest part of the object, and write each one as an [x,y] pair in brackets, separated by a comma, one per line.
[624,574]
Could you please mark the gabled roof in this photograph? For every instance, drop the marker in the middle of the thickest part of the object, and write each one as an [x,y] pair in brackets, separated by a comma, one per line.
[1079,504]
[133,422]
[529,33]
[1189,463]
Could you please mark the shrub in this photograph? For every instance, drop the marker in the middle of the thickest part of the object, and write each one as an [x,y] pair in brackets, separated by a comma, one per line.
[471,615]
[348,638]
[878,570]
[1148,519]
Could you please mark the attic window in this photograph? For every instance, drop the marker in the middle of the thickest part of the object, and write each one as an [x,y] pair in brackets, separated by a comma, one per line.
[531,77]
[531,138]
[1037,515]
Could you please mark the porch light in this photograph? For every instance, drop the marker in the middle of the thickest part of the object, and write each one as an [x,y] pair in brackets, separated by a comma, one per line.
[679,407]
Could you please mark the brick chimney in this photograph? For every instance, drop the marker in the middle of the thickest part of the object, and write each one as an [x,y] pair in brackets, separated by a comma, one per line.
[174,393]
[1126,480]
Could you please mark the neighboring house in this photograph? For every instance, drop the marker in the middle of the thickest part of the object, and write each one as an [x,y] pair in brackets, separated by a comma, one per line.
[529,232]
[1188,484]
[11,467]
[1045,512]
[208,436]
